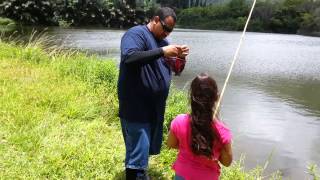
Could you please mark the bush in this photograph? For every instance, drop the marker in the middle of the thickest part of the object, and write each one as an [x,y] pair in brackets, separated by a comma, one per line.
[6,22]
[229,16]
[94,13]
[7,25]
[32,12]
[28,12]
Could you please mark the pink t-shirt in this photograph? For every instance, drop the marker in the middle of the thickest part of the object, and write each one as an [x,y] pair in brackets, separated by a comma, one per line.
[191,166]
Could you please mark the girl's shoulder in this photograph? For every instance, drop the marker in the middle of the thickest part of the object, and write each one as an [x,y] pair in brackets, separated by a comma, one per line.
[180,120]
[224,131]
[182,117]
[219,124]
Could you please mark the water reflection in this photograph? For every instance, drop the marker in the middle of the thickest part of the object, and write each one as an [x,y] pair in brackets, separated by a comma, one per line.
[262,123]
[302,94]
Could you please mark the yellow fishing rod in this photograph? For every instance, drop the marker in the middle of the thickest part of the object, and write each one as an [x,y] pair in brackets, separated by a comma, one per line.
[233,61]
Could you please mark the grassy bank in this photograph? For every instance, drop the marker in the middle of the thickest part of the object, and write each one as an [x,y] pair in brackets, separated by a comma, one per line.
[58,116]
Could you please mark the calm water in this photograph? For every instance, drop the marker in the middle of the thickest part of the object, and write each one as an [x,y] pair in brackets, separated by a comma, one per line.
[272,103]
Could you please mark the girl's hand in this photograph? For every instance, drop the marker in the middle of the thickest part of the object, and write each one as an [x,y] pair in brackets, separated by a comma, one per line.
[172,141]
[226,155]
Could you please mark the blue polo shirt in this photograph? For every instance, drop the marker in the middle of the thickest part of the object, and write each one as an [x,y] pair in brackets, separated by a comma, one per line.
[142,87]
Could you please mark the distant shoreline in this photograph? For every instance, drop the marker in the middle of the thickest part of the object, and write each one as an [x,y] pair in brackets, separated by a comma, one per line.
[311,34]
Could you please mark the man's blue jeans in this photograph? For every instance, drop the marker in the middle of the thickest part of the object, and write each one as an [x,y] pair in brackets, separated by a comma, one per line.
[137,141]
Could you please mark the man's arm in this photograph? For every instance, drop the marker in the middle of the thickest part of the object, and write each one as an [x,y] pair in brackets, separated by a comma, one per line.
[132,47]
[144,56]
[150,55]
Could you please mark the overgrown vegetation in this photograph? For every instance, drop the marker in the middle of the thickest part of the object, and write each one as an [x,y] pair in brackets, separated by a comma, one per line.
[314,171]
[59,118]
[6,21]
[288,16]
[90,12]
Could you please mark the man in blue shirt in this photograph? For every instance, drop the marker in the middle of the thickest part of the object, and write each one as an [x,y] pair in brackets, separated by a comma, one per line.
[143,87]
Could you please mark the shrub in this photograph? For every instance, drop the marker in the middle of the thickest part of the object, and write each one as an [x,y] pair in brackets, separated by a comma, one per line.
[28,12]
[32,12]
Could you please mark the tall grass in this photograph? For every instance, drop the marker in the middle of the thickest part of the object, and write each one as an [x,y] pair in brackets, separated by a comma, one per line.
[314,171]
[58,116]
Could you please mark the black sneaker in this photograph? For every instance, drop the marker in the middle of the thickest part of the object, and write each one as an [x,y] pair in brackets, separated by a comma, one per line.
[143,175]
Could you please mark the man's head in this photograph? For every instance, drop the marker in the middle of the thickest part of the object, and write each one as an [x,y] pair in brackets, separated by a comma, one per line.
[163,22]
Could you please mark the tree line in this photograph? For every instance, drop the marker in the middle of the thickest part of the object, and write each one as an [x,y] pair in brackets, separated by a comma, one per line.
[287,16]
[107,13]
[284,16]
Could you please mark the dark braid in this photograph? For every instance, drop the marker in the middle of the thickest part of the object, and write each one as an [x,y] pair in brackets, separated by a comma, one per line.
[203,95]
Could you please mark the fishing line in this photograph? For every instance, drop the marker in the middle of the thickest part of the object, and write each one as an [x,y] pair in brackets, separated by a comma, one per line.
[233,62]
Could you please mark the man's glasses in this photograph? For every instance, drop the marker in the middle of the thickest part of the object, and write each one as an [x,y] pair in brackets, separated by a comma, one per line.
[165,27]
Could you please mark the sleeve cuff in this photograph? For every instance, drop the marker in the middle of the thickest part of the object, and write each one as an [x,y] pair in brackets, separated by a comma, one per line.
[161,51]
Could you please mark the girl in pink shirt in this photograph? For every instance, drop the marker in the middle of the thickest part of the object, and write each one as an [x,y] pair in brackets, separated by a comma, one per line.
[202,141]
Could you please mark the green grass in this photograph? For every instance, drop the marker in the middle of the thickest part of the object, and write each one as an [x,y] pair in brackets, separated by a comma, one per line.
[58,116]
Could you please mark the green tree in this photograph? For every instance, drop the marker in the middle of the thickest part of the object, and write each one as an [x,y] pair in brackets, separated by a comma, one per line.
[287,18]
[28,11]
[263,12]
[316,14]
[307,23]
[238,8]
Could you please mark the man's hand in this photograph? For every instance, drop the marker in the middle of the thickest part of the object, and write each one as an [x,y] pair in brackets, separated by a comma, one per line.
[183,51]
[171,50]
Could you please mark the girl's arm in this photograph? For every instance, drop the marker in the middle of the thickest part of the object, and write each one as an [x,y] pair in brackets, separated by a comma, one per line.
[226,155]
[172,141]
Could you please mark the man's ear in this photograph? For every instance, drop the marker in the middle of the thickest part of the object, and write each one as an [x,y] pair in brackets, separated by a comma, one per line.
[156,19]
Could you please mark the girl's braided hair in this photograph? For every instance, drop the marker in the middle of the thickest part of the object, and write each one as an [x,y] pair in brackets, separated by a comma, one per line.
[203,95]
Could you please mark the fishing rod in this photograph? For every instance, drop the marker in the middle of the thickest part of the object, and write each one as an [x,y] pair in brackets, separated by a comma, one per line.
[233,61]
